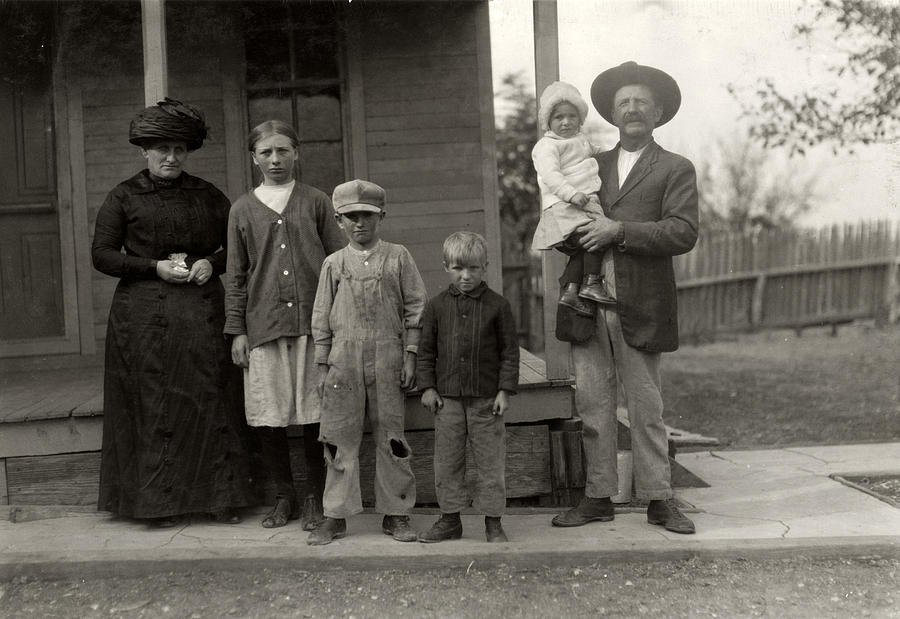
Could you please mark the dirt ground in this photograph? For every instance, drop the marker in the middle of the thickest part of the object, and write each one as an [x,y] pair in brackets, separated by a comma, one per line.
[774,389]
[795,587]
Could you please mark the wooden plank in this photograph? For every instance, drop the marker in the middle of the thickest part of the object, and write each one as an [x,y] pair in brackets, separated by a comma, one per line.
[4,486]
[546,69]
[377,68]
[153,25]
[422,164]
[530,405]
[356,98]
[69,479]
[490,189]
[68,221]
[527,464]
[234,110]
[455,191]
[81,229]
[51,436]
[463,104]
[422,136]
[405,92]
[47,393]
[428,178]
[450,150]
[440,120]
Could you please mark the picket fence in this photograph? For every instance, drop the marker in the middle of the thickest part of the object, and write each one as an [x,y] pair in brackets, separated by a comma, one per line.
[764,280]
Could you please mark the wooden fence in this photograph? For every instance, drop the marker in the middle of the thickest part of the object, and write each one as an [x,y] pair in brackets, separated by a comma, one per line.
[773,279]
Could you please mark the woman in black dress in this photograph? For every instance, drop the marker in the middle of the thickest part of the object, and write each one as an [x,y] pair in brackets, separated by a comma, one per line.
[174,435]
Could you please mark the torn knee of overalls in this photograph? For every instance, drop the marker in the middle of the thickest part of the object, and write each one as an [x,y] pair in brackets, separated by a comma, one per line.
[399,448]
[330,451]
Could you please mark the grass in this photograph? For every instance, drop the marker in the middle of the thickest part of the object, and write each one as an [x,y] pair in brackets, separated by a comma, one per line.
[776,389]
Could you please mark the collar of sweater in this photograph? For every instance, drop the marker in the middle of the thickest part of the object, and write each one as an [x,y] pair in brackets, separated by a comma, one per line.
[474,293]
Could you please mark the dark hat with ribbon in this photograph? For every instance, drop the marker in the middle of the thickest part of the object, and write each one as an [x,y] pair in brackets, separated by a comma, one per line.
[608,83]
[169,120]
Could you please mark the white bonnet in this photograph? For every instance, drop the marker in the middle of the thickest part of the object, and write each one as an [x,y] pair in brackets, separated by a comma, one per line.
[553,95]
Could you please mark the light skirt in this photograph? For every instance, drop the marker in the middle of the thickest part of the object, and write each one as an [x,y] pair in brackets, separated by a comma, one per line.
[280,384]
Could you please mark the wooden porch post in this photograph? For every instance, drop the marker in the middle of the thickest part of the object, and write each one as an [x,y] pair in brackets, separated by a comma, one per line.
[156,77]
[546,70]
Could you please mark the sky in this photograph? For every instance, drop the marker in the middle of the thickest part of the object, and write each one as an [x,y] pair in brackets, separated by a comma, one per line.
[706,45]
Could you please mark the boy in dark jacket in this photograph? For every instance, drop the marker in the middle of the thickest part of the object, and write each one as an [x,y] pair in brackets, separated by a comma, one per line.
[467,367]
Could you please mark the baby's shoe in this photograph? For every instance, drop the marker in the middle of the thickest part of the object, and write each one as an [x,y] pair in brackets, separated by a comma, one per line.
[594,289]
[570,298]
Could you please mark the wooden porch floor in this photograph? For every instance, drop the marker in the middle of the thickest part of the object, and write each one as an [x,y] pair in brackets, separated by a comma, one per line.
[71,393]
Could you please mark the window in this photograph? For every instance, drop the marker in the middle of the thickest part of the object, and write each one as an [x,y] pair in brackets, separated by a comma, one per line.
[294,73]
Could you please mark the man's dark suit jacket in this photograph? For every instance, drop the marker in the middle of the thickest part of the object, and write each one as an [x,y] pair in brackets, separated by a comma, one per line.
[658,206]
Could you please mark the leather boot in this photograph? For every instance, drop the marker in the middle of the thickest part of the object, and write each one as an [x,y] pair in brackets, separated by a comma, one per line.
[311,515]
[588,510]
[666,514]
[285,509]
[594,289]
[398,528]
[330,530]
[570,298]
[448,526]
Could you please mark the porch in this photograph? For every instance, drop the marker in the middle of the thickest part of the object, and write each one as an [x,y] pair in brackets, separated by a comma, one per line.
[51,423]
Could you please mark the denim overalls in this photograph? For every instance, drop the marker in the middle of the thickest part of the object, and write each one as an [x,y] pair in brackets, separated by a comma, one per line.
[366,319]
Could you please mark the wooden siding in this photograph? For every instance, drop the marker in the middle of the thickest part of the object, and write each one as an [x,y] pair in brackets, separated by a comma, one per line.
[423,124]
[418,105]
[108,104]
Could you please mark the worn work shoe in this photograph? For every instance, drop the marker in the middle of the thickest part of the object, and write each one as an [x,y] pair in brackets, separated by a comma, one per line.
[330,529]
[588,510]
[312,515]
[666,514]
[570,298]
[493,530]
[448,526]
[594,289]
[398,528]
[284,510]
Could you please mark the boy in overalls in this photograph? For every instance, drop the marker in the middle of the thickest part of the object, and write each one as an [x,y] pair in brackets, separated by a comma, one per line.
[366,322]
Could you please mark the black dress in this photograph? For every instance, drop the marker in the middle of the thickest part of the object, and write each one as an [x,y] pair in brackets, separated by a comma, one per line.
[175,440]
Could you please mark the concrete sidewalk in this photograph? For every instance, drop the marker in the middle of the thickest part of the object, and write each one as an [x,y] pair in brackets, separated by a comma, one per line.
[760,503]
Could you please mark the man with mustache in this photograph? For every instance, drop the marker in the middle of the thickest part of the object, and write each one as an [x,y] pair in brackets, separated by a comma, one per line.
[649,196]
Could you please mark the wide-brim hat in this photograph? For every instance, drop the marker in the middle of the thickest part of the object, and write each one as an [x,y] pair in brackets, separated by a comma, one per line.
[358,195]
[169,119]
[608,83]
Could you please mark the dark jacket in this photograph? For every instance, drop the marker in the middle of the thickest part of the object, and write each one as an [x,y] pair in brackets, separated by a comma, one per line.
[469,346]
[658,207]
[134,217]
[274,262]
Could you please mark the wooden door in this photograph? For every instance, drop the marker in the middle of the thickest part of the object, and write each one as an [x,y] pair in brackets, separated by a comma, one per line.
[31,287]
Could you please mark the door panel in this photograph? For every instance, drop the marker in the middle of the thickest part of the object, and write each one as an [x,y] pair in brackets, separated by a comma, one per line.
[31,297]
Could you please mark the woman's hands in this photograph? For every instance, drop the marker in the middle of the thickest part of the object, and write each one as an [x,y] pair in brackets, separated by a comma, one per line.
[171,272]
[201,272]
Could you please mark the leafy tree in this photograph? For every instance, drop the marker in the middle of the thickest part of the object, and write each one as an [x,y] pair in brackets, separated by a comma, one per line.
[518,192]
[860,105]
[744,187]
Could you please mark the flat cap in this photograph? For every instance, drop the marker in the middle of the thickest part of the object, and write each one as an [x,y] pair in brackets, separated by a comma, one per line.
[358,195]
